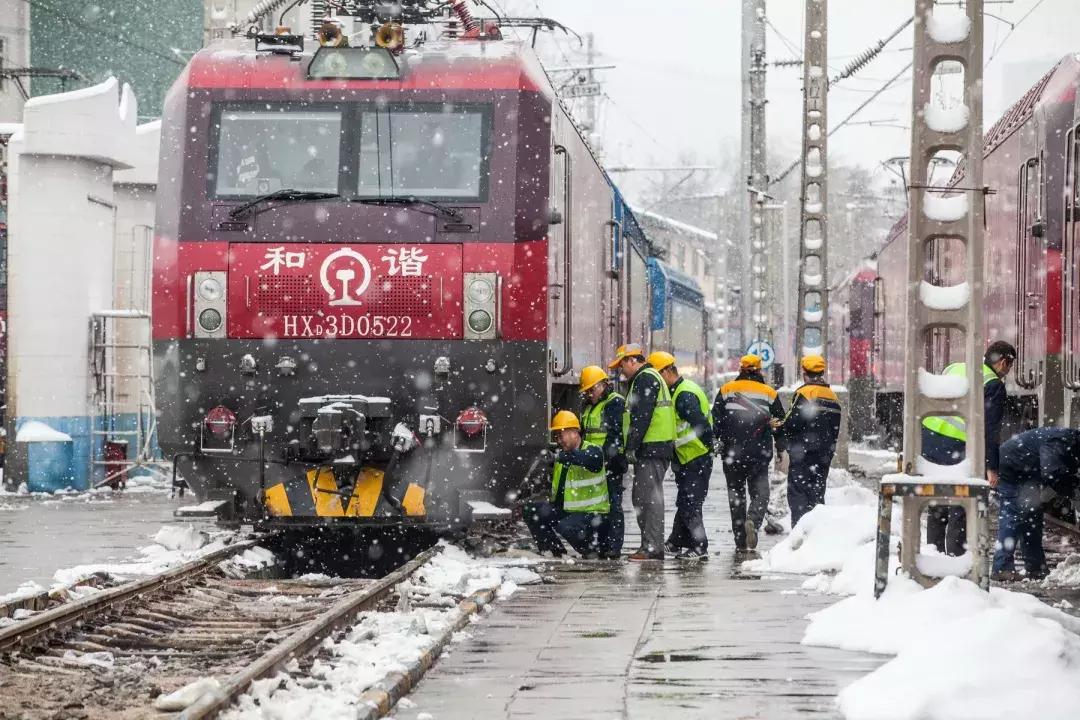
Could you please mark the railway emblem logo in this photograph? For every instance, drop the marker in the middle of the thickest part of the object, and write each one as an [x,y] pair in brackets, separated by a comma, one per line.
[346,285]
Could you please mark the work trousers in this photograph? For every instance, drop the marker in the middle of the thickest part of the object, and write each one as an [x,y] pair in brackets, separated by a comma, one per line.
[807,476]
[742,479]
[692,482]
[946,529]
[648,498]
[547,523]
[613,527]
[1019,516]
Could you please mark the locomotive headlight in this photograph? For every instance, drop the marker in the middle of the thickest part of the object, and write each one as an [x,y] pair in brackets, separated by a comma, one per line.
[480,291]
[210,289]
[480,321]
[210,320]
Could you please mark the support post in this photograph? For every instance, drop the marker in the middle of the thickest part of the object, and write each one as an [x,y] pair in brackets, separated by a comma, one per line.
[811,334]
[754,285]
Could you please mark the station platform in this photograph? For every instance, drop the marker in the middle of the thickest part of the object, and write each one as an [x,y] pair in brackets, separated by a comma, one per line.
[649,640]
[40,534]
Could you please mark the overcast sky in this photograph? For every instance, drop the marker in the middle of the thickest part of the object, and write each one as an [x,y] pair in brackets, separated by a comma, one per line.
[676,87]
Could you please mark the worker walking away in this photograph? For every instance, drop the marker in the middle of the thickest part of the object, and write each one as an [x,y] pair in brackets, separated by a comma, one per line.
[579,499]
[693,461]
[602,420]
[744,440]
[944,438]
[648,427]
[1045,457]
[809,432]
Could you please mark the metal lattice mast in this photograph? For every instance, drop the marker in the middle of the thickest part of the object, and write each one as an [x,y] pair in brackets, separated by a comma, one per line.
[755,285]
[811,334]
[935,216]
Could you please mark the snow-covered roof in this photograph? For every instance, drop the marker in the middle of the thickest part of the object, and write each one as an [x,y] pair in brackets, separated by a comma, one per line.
[675,225]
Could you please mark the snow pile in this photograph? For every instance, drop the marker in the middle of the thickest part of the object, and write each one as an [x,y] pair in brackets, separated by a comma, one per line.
[946,119]
[37,431]
[252,559]
[187,695]
[948,26]
[1067,573]
[942,387]
[26,590]
[952,297]
[944,209]
[379,643]
[173,545]
[181,537]
[960,653]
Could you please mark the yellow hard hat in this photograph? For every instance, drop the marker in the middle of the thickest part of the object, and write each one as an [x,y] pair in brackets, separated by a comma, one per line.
[813,364]
[564,419]
[750,362]
[625,351]
[591,375]
[660,360]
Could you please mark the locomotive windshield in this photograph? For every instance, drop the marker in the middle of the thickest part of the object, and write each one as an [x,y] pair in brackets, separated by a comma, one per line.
[437,152]
[260,151]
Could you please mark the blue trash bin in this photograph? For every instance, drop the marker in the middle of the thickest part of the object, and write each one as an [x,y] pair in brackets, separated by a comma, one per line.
[50,457]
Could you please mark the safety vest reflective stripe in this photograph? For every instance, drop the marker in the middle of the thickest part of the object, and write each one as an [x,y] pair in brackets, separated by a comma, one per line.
[592,421]
[955,427]
[688,446]
[585,491]
[662,424]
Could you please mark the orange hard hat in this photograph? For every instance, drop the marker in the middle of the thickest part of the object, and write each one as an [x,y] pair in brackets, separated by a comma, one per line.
[564,420]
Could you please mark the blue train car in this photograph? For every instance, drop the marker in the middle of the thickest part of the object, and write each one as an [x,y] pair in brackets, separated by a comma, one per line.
[678,319]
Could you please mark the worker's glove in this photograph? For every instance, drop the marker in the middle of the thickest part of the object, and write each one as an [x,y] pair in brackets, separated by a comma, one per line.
[631,458]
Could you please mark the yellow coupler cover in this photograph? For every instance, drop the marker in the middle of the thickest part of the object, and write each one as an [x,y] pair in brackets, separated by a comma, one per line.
[328,503]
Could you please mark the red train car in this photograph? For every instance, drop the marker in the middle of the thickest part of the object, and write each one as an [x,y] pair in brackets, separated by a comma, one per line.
[377,274]
[851,323]
[1032,293]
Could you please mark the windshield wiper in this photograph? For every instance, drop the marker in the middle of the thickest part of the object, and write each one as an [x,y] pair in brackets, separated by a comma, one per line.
[409,200]
[284,195]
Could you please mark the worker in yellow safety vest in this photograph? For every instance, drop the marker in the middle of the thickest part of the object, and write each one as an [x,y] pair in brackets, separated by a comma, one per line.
[579,497]
[649,443]
[944,443]
[602,421]
[693,462]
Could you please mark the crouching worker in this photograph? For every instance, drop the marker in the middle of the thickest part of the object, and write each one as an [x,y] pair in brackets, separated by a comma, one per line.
[579,494]
[1044,457]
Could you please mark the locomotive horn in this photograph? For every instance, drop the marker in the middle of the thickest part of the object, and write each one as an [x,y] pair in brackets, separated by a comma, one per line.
[330,35]
[390,36]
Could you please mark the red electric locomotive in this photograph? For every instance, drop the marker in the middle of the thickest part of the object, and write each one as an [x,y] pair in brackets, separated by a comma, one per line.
[378,271]
[1032,291]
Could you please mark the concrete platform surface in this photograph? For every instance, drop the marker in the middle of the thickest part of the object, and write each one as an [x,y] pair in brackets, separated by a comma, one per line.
[39,536]
[645,641]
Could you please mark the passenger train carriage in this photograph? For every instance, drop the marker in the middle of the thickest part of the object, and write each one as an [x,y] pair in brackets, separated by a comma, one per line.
[1031,260]
[381,270]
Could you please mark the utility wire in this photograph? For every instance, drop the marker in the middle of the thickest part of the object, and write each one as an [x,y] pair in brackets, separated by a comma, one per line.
[864,58]
[1012,29]
[845,121]
[102,32]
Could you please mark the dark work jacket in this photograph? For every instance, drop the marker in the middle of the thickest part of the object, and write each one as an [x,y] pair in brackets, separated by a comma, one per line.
[740,415]
[591,458]
[611,422]
[1050,455]
[812,425]
[949,451]
[642,401]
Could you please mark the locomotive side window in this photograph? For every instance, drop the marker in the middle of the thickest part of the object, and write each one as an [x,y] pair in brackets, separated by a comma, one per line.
[260,151]
[432,153]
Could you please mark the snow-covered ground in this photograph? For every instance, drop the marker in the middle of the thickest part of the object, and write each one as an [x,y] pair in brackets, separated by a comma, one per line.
[958,653]
[381,642]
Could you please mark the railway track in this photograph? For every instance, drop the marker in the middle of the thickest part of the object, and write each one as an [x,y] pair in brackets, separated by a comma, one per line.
[120,652]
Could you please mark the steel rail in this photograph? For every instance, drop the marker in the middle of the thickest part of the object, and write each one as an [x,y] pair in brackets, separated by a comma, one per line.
[303,641]
[58,619]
